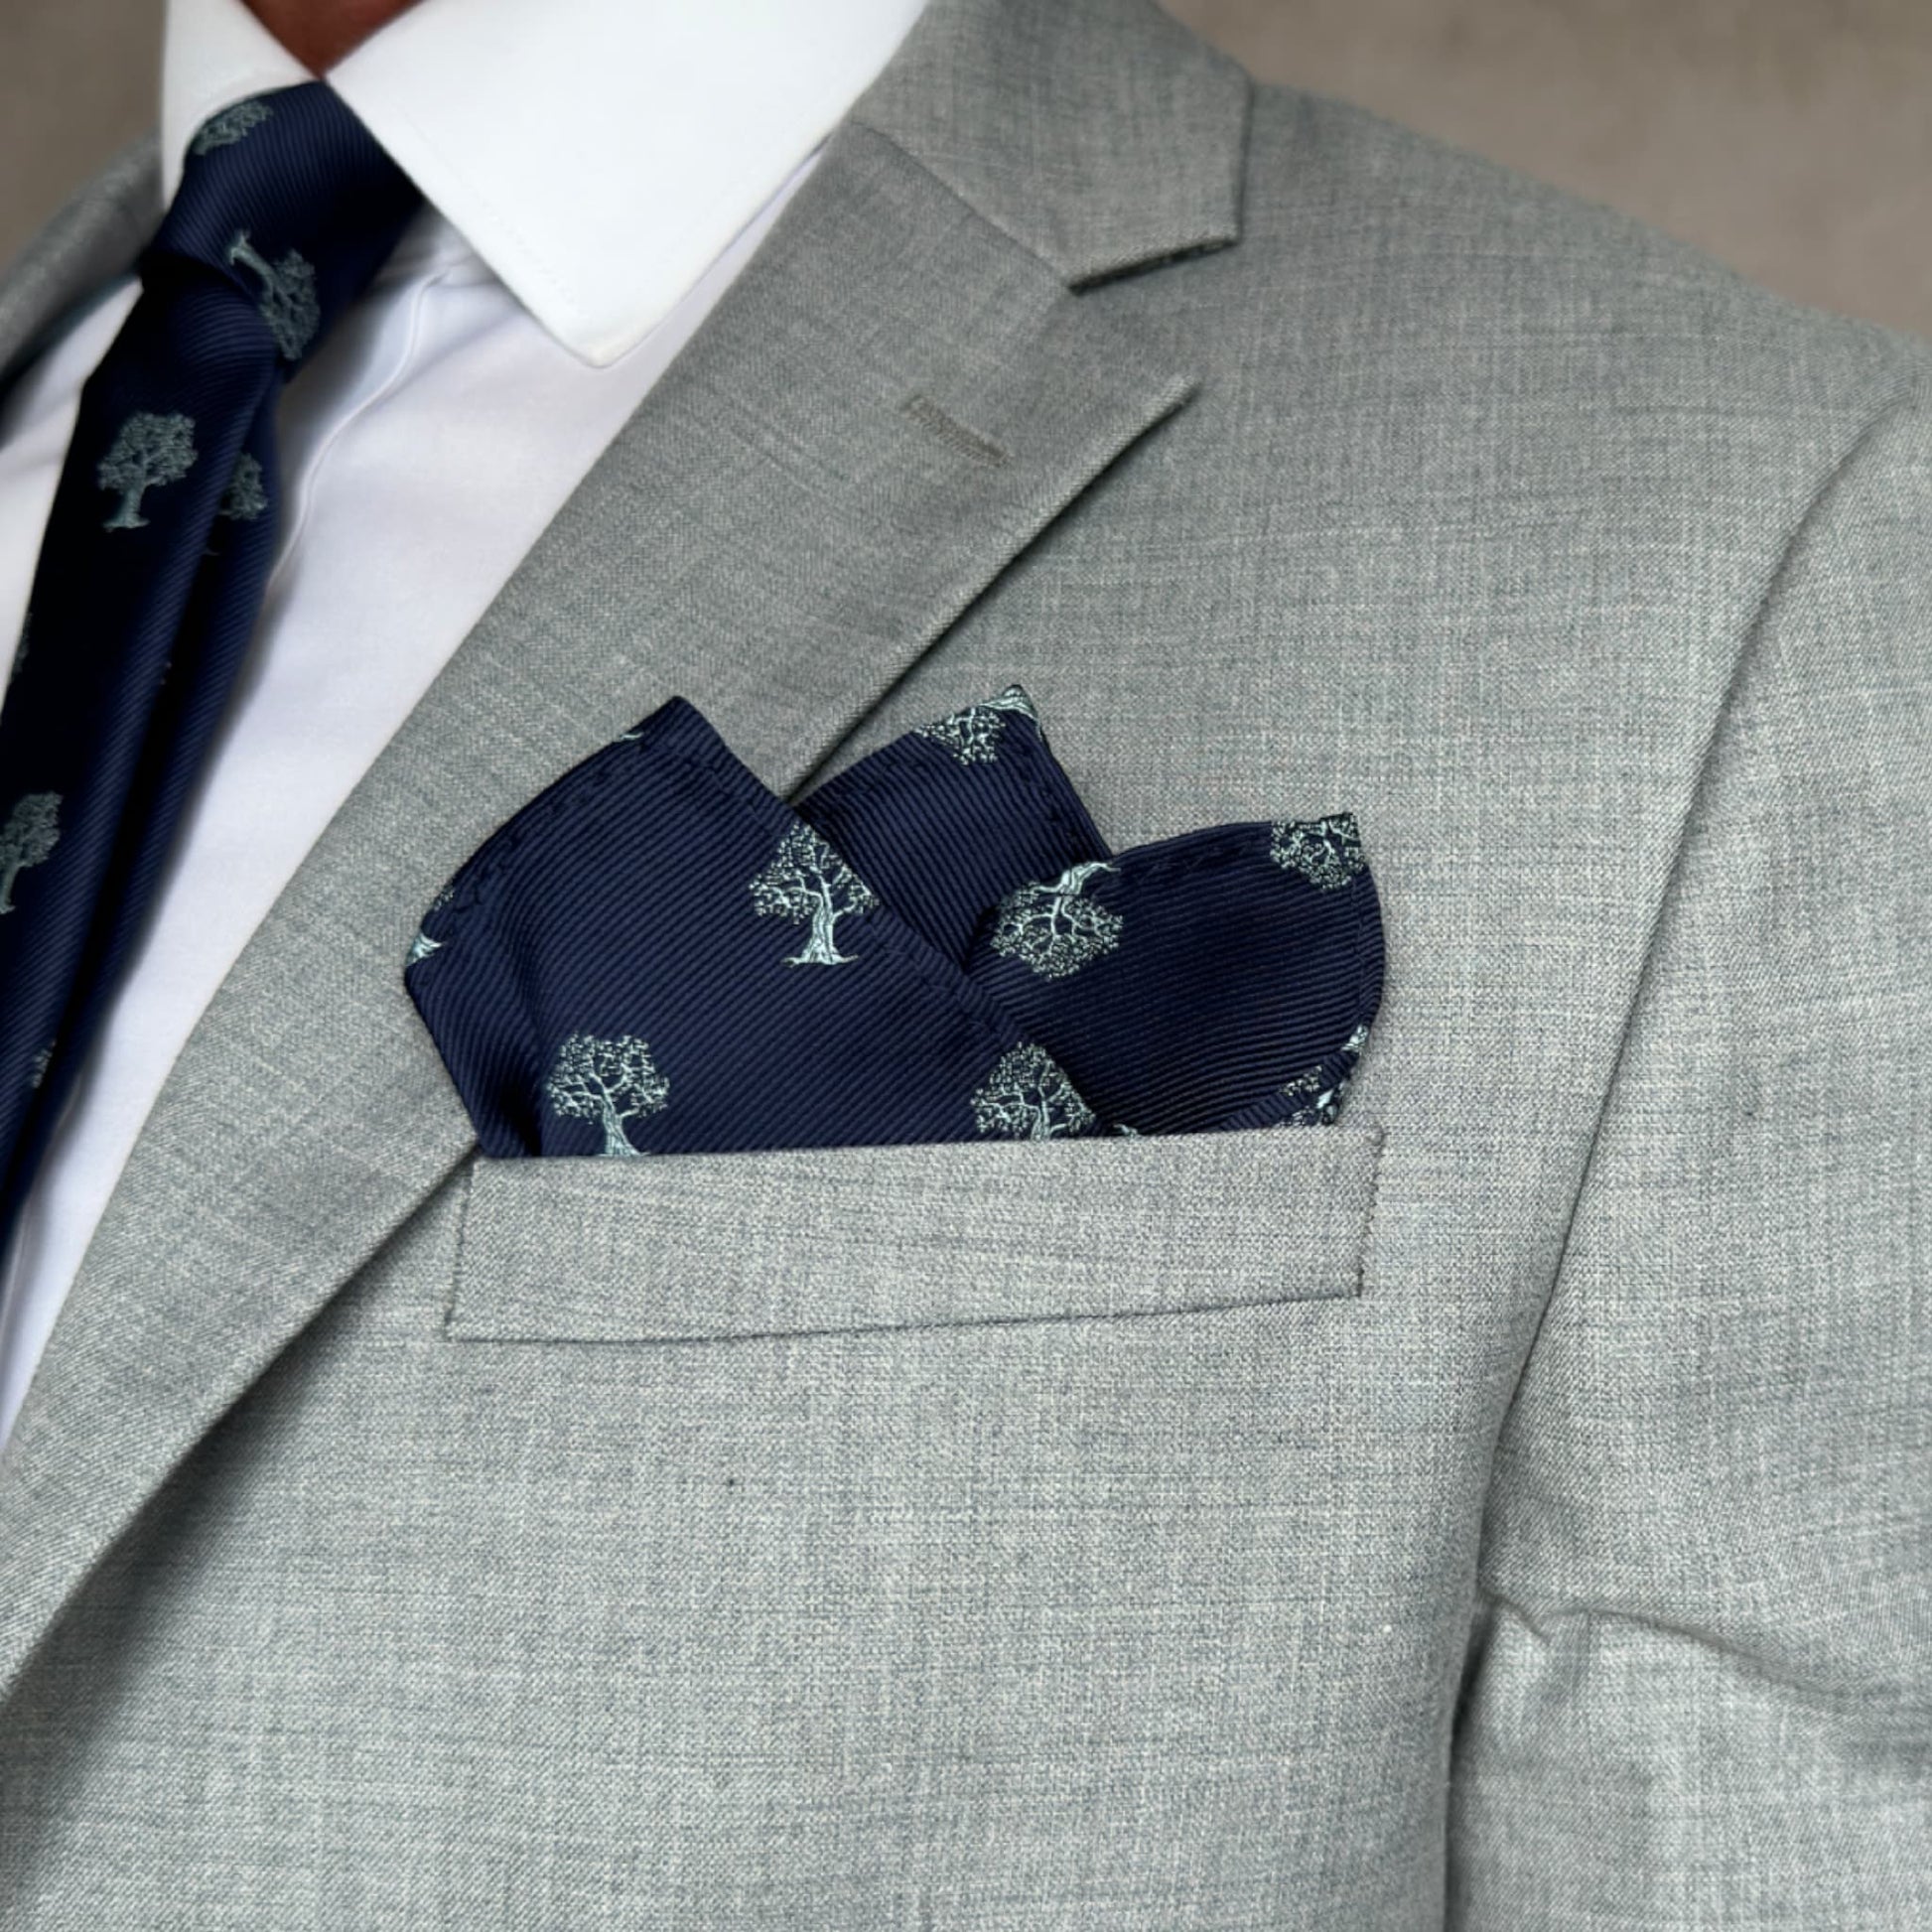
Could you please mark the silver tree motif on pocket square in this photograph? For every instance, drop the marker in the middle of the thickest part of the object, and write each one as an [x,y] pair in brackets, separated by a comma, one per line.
[610,1081]
[1327,852]
[1319,1095]
[423,945]
[1027,1098]
[1051,928]
[973,736]
[807,879]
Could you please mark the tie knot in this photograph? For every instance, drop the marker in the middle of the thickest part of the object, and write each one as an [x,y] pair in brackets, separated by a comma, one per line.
[288,197]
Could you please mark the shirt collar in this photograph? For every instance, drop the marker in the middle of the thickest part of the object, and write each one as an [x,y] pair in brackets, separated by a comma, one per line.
[599,155]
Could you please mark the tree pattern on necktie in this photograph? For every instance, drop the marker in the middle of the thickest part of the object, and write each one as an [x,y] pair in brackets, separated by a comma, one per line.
[288,295]
[233,124]
[143,613]
[245,498]
[151,450]
[32,831]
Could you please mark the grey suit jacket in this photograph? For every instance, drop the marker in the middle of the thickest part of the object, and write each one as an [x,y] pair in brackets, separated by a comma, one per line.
[1505,1508]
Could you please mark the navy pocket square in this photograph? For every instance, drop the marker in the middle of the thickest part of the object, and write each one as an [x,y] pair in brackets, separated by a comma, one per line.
[1201,982]
[949,818]
[656,955]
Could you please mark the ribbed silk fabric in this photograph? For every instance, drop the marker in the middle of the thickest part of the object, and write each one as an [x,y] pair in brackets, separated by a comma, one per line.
[656,955]
[152,568]
[1224,978]
[952,816]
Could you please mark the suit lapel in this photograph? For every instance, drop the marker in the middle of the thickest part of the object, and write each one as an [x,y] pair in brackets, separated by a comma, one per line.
[892,399]
[94,238]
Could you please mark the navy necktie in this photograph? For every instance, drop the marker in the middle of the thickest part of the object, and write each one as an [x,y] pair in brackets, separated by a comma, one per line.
[154,561]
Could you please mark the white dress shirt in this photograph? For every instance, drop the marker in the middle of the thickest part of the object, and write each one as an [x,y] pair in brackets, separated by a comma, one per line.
[596,173]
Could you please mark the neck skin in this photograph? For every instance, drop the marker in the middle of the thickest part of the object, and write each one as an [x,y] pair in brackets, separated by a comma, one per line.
[320,31]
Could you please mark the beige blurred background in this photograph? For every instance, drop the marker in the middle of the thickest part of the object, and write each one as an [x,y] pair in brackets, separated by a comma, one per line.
[1793,138]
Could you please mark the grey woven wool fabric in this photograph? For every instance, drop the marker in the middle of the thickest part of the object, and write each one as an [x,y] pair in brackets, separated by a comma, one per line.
[1506,1508]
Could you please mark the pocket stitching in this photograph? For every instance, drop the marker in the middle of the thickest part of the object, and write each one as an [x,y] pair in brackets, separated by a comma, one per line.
[468,1269]
[1368,1218]
[451,1300]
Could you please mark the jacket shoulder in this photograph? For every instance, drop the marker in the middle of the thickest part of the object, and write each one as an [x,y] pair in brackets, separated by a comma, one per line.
[1404,237]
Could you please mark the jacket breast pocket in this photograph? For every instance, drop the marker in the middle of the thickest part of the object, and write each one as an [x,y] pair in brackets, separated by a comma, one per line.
[709,1247]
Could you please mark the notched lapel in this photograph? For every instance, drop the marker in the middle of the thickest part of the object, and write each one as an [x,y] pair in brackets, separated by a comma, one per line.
[892,401]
